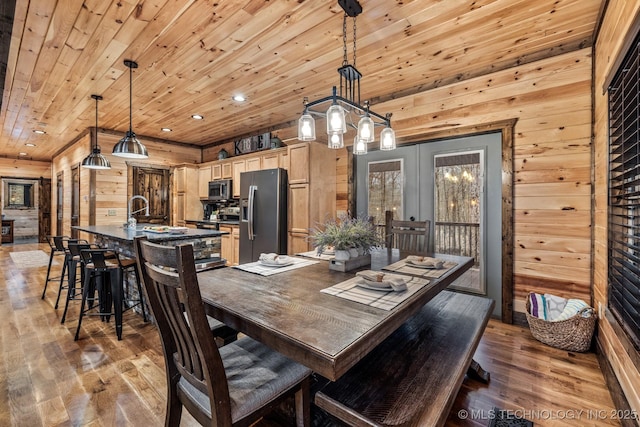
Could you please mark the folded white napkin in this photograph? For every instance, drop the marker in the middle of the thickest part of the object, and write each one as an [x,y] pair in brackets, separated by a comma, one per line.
[272,258]
[376,279]
[424,262]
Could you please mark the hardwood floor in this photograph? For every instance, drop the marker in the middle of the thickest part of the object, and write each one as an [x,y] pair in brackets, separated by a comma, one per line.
[48,379]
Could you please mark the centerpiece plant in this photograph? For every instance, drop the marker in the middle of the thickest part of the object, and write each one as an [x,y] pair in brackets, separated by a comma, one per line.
[344,234]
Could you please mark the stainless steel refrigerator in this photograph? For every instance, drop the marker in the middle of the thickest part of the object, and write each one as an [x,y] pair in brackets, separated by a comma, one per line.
[263,213]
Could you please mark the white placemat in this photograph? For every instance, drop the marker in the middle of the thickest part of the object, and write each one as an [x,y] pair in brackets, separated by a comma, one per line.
[265,270]
[379,299]
[314,255]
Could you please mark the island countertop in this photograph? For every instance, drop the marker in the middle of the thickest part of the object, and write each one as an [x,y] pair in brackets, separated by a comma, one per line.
[126,234]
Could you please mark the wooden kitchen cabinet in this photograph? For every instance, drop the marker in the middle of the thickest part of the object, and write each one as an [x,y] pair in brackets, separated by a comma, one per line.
[204,176]
[181,208]
[227,170]
[230,244]
[216,171]
[312,191]
[254,164]
[299,208]
[299,163]
[239,166]
[186,199]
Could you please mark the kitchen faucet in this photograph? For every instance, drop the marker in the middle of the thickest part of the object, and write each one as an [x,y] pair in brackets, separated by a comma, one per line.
[131,221]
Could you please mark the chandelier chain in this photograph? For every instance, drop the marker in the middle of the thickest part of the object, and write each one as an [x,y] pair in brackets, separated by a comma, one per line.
[345,60]
[354,42]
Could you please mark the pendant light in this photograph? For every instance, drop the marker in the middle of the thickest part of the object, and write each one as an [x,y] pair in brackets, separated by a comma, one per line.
[96,160]
[129,146]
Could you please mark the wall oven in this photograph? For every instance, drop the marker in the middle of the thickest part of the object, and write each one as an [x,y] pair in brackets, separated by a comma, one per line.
[220,190]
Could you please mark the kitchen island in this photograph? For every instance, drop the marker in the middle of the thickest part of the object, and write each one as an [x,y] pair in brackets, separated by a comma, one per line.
[206,243]
[206,247]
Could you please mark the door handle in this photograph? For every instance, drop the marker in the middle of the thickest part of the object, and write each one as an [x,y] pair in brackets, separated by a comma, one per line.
[252,193]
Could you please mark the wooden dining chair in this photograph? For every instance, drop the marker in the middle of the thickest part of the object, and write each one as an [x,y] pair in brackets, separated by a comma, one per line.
[408,236]
[233,385]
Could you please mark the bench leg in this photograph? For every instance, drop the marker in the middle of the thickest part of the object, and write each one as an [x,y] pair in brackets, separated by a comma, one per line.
[476,372]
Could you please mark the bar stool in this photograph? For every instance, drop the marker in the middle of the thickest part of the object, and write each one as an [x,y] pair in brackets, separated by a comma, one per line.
[104,272]
[62,243]
[74,287]
[57,248]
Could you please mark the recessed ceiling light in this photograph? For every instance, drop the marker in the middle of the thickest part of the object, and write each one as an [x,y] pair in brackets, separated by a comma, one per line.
[166,129]
[197,117]
[28,144]
[239,98]
[22,154]
[39,132]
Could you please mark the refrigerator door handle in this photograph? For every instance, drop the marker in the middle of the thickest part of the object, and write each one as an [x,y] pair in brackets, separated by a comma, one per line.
[252,193]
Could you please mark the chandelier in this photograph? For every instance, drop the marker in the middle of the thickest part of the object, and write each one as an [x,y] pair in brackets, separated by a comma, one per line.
[345,108]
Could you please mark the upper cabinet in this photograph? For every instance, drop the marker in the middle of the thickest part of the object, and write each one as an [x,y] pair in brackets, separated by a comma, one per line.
[299,163]
[239,166]
[204,176]
[233,167]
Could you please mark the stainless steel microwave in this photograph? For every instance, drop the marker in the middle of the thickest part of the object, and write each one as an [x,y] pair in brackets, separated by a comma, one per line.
[220,189]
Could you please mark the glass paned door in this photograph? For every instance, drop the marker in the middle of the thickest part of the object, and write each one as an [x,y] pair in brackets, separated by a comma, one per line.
[459,212]
[385,191]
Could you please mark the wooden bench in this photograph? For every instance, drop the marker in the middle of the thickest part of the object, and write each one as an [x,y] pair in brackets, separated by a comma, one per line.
[413,377]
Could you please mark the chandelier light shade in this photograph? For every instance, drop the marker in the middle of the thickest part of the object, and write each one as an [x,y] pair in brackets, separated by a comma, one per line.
[306,127]
[345,110]
[129,146]
[336,121]
[96,160]
[365,129]
[335,140]
[387,139]
[359,147]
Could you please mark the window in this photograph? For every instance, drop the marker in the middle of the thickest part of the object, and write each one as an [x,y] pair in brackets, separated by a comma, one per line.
[624,195]
[385,189]
[19,195]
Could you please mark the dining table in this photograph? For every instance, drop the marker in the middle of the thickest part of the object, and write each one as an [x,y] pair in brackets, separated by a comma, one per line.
[292,313]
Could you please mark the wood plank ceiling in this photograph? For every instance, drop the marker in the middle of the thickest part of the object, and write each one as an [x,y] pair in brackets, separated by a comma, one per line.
[194,55]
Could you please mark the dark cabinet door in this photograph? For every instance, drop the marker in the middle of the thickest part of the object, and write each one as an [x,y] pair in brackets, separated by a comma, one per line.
[153,184]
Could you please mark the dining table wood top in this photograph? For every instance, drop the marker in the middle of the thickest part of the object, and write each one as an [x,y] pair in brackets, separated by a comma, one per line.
[287,311]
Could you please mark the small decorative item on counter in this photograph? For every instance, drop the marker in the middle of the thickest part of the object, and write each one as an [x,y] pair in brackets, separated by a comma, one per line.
[222,154]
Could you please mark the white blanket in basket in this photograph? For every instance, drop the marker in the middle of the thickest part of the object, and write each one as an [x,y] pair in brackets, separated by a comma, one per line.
[554,308]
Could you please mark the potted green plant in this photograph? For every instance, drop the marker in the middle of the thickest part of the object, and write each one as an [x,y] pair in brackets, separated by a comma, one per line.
[343,234]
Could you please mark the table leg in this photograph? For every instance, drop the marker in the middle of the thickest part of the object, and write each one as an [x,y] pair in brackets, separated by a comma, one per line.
[476,372]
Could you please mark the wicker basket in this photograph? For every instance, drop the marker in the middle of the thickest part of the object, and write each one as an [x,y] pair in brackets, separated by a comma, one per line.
[572,334]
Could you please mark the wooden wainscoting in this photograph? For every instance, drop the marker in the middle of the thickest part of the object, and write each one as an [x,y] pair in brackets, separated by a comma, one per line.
[48,379]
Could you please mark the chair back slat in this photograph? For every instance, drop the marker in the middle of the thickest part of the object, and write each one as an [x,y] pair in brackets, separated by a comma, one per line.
[408,236]
[171,283]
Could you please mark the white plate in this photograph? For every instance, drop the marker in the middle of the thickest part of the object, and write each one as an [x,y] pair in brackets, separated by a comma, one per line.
[275,264]
[426,266]
[365,284]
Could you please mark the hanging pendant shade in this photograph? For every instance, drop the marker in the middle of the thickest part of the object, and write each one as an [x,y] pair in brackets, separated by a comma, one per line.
[306,127]
[96,160]
[129,146]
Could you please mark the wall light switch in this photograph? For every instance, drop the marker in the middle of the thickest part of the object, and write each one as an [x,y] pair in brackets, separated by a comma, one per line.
[112,212]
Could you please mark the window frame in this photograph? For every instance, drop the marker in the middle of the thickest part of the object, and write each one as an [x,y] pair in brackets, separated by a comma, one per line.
[623,201]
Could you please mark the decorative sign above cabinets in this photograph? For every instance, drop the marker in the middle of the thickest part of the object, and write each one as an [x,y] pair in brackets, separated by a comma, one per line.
[253,143]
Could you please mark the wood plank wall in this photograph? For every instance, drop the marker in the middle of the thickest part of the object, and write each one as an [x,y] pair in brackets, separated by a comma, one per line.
[616,24]
[110,192]
[551,100]
[24,168]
